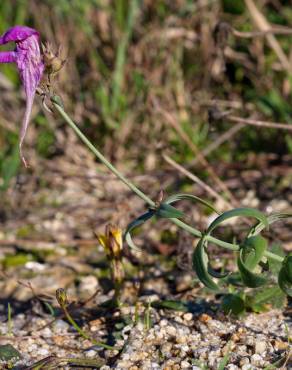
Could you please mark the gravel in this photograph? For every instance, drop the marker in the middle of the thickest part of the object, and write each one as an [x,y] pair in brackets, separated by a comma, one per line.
[175,340]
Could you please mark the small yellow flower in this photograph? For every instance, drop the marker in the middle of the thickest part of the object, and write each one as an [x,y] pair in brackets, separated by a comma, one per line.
[112,241]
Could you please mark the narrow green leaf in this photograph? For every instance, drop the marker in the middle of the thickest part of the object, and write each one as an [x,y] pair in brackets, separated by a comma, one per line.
[253,250]
[167,211]
[171,305]
[275,266]
[284,282]
[216,274]
[200,265]
[205,270]
[137,222]
[271,219]
[225,359]
[248,277]
[238,212]
[177,197]
[288,267]
[266,295]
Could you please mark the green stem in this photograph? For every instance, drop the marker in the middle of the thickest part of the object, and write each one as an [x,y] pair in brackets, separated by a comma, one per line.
[56,101]
[100,156]
[81,332]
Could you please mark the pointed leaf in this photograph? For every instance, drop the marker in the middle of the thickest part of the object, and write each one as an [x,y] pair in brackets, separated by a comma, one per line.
[137,222]
[253,250]
[216,274]
[271,219]
[200,265]
[171,305]
[284,282]
[177,197]
[288,267]
[242,212]
[248,277]
[167,211]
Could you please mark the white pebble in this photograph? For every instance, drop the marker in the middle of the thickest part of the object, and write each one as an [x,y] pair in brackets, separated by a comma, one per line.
[260,347]
[43,352]
[171,330]
[185,365]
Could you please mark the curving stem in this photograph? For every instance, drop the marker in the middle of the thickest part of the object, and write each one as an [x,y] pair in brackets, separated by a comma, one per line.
[234,247]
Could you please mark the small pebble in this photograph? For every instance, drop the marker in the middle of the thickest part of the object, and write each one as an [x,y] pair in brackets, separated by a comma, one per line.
[185,365]
[256,360]
[247,367]
[91,353]
[188,316]
[171,330]
[260,347]
[43,352]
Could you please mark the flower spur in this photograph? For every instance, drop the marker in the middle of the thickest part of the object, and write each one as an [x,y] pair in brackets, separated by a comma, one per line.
[29,61]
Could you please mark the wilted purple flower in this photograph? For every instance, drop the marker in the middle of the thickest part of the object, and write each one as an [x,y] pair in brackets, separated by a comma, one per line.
[29,61]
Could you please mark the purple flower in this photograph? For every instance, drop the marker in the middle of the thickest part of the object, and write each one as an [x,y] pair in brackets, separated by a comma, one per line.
[29,61]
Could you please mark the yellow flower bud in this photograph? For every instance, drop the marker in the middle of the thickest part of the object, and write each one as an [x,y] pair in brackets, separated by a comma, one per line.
[112,241]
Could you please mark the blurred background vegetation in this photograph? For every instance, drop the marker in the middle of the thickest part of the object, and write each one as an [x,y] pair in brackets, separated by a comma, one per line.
[146,78]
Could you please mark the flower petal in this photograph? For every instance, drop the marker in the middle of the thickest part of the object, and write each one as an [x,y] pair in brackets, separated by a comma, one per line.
[28,58]
[16,34]
[24,125]
[30,66]
[7,57]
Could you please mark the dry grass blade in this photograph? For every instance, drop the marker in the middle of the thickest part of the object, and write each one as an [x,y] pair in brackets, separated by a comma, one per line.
[258,123]
[200,157]
[273,31]
[198,181]
[262,23]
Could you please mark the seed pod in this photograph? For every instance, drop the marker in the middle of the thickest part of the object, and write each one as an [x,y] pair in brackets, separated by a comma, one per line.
[53,62]
[61,297]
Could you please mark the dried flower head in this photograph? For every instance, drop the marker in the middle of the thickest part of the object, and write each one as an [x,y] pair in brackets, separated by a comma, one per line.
[52,60]
[61,297]
[29,61]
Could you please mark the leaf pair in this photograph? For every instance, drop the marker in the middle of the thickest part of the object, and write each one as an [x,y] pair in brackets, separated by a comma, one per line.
[200,257]
[163,210]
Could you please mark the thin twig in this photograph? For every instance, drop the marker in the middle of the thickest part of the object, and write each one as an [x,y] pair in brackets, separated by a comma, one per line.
[258,123]
[252,34]
[262,23]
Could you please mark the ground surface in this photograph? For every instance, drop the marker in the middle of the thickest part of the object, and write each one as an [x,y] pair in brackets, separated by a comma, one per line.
[154,85]
[56,248]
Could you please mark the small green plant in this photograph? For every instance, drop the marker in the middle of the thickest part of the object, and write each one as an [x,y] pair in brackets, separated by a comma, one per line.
[61,297]
[253,255]
[147,317]
[9,320]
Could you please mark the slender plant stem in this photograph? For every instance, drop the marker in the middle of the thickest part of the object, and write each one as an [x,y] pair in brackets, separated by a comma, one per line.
[101,157]
[150,202]
[81,332]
